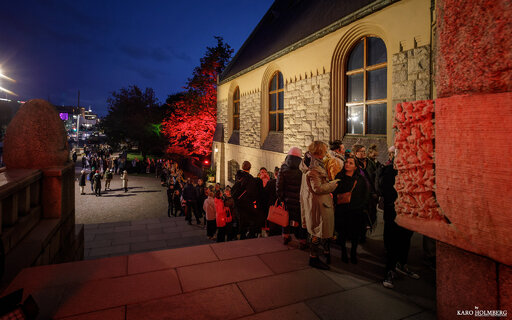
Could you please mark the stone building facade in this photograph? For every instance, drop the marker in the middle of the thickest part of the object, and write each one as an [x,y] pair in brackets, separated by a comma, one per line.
[312,59]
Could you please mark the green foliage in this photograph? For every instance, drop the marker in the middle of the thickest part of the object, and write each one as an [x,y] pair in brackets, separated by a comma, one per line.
[131,117]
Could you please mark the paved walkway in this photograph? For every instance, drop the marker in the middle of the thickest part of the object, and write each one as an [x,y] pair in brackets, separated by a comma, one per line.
[145,199]
[250,279]
[126,237]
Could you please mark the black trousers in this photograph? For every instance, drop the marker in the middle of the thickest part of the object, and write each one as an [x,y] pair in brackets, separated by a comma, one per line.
[397,241]
[191,206]
[170,208]
[248,224]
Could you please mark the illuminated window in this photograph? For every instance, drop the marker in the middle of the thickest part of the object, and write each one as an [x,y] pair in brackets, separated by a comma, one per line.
[366,79]
[276,103]
[236,109]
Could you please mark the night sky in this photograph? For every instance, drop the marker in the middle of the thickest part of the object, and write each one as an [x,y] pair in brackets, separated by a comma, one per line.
[55,48]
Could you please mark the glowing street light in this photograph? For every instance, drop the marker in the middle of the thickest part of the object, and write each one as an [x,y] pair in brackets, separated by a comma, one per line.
[3,76]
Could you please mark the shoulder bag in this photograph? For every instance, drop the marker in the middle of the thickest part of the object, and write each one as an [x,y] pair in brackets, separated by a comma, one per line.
[344,198]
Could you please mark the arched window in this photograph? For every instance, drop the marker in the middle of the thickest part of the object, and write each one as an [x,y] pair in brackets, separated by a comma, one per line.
[366,89]
[236,109]
[276,102]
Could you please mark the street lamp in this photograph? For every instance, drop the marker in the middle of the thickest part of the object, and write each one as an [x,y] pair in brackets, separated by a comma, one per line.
[3,76]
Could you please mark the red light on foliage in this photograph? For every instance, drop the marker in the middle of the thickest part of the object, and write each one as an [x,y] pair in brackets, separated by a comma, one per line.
[206,162]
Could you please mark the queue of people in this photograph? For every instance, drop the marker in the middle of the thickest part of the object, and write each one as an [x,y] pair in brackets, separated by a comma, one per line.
[331,196]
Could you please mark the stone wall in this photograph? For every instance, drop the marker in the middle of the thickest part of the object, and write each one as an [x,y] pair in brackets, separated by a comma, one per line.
[257,157]
[250,119]
[307,111]
[411,75]
[222,116]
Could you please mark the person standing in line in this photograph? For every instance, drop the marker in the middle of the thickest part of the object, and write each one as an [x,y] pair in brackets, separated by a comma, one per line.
[364,170]
[201,196]
[211,215]
[170,202]
[81,182]
[288,190]
[266,199]
[245,192]
[335,159]
[190,197]
[124,177]
[397,240]
[220,216]
[74,156]
[350,218]
[229,204]
[176,202]
[317,210]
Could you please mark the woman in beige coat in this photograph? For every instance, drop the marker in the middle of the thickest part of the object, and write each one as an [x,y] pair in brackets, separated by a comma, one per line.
[317,208]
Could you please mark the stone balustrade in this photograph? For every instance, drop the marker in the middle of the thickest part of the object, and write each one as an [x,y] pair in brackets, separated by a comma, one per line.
[37,218]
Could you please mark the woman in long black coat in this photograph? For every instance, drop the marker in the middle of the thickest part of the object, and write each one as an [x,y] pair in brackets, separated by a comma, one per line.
[350,218]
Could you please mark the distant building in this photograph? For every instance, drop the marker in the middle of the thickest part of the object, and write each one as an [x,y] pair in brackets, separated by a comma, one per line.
[73,116]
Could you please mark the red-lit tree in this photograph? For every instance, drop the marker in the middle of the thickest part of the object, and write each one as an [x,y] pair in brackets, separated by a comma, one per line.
[192,117]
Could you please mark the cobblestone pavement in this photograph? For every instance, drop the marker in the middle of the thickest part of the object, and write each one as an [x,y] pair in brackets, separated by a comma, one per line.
[145,199]
[120,223]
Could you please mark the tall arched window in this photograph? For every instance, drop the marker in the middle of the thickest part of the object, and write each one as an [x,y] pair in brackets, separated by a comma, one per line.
[276,102]
[366,79]
[236,109]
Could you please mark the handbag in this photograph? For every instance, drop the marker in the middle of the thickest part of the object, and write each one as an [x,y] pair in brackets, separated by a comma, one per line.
[344,198]
[278,215]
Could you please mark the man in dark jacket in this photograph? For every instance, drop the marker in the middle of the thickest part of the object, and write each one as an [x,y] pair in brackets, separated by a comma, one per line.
[397,240]
[245,192]
[201,196]
[190,197]
[97,183]
[288,191]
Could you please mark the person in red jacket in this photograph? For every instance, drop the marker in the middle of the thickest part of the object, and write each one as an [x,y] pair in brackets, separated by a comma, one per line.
[220,216]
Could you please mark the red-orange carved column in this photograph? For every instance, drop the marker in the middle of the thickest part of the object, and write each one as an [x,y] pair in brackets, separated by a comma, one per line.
[460,193]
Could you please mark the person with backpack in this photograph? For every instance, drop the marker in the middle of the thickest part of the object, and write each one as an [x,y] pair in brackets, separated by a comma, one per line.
[108,178]
[288,190]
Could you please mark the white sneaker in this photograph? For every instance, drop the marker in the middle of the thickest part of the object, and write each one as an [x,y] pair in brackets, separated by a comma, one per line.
[388,282]
[405,271]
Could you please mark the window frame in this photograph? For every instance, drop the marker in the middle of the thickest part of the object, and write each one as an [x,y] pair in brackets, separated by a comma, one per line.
[365,102]
[236,109]
[277,111]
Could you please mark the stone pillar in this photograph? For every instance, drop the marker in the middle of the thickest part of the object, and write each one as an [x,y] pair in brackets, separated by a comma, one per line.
[36,139]
[469,213]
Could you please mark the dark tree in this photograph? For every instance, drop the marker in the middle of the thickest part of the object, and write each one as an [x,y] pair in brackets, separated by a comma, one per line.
[134,117]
